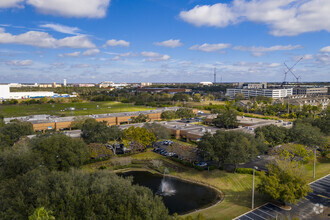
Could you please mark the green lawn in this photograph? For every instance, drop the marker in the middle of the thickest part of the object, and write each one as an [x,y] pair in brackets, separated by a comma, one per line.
[62,109]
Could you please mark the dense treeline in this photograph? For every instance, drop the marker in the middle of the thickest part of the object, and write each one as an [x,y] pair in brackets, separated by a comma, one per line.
[230,147]
[44,172]
[11,132]
[180,113]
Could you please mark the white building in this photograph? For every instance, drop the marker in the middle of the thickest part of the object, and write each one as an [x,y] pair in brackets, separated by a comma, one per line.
[206,83]
[4,92]
[64,82]
[273,93]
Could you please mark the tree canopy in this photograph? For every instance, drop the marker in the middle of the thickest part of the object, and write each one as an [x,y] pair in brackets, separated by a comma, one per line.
[140,118]
[11,132]
[185,113]
[159,130]
[226,118]
[60,152]
[274,135]
[285,181]
[232,147]
[139,138]
[78,195]
[99,132]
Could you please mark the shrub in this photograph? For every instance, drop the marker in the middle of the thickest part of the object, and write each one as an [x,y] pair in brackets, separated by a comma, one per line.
[247,171]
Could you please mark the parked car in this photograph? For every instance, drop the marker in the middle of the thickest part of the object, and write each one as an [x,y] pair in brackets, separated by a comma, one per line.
[202,164]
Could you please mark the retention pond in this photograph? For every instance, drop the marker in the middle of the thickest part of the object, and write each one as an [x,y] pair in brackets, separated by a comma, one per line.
[179,196]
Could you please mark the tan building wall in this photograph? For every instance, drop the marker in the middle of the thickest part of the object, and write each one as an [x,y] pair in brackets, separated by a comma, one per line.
[110,121]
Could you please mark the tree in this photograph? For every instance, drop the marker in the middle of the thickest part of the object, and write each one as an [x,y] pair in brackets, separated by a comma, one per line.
[185,113]
[115,133]
[159,130]
[230,147]
[16,129]
[99,132]
[285,181]
[197,97]
[274,135]
[2,122]
[18,160]
[140,118]
[139,137]
[78,122]
[181,97]
[307,134]
[293,152]
[167,115]
[59,152]
[97,151]
[42,214]
[239,96]
[227,118]
[78,194]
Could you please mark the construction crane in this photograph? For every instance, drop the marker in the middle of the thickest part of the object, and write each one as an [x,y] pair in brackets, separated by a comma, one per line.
[289,69]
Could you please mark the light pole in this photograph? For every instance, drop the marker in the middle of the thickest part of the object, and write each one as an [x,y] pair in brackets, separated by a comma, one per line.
[254,168]
[314,161]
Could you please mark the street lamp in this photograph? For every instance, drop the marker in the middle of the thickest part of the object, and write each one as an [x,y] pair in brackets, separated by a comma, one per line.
[254,168]
[316,147]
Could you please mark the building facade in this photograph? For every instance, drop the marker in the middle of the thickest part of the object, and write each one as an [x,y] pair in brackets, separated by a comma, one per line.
[310,90]
[273,93]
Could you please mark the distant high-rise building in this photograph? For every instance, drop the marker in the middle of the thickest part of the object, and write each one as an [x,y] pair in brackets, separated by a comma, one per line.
[54,84]
[64,82]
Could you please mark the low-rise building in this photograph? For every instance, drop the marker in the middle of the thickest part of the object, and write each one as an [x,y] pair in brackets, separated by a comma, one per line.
[273,93]
[310,90]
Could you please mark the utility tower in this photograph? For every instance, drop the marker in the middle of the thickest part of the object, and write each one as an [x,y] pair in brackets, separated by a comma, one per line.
[215,76]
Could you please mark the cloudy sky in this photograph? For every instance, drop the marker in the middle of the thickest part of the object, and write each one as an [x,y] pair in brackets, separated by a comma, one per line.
[163,40]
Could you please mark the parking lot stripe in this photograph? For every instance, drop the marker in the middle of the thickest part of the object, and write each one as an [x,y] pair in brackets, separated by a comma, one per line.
[266,213]
[253,213]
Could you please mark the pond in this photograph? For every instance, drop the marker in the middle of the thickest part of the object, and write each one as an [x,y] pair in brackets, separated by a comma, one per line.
[179,196]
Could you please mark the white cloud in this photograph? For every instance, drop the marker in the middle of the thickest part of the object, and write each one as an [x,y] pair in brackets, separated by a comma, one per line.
[210,47]
[73,54]
[80,41]
[260,51]
[72,8]
[283,17]
[274,65]
[62,28]
[219,15]
[43,39]
[119,56]
[169,43]
[114,42]
[325,49]
[154,57]
[91,52]
[10,3]
[19,63]
[81,65]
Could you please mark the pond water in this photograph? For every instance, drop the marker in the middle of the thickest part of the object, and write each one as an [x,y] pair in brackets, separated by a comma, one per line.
[179,196]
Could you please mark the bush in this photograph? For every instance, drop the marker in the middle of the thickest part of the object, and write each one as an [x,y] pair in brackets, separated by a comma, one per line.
[247,171]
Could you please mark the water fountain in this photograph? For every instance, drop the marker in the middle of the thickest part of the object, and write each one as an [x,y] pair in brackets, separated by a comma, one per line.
[166,188]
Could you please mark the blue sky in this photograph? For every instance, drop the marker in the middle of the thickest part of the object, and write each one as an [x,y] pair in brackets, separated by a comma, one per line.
[163,41]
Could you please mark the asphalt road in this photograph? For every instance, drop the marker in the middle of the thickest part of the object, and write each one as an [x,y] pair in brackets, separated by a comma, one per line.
[314,206]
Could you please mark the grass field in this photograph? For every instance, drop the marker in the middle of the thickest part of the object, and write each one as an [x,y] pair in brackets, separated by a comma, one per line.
[62,109]
[237,188]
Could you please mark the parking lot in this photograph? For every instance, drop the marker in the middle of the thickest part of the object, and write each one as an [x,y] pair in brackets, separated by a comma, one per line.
[314,206]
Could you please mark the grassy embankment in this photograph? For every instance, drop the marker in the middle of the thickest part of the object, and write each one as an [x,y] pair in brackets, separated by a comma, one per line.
[62,109]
